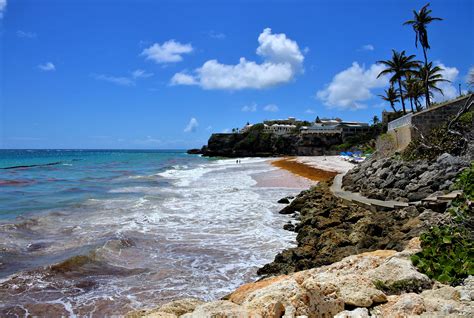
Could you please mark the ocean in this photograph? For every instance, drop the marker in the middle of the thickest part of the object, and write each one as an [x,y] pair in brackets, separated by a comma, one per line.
[102,232]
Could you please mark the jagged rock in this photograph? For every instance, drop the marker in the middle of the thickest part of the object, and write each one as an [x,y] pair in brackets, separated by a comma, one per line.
[356,313]
[220,309]
[169,310]
[284,201]
[391,178]
[331,229]
[289,226]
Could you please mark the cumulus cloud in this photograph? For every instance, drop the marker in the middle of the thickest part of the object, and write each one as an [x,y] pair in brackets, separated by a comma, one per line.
[25,34]
[448,88]
[47,67]
[282,60]
[169,52]
[250,108]
[309,111]
[271,108]
[351,87]
[192,125]
[141,74]
[367,47]
[124,80]
[183,79]
[3,7]
[118,80]
[470,76]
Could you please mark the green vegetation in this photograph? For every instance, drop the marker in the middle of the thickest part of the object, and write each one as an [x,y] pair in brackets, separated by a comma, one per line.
[416,80]
[448,250]
[439,141]
[399,66]
[420,22]
[391,96]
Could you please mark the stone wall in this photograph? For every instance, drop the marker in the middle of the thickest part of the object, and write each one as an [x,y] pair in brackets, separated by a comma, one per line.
[430,118]
[402,137]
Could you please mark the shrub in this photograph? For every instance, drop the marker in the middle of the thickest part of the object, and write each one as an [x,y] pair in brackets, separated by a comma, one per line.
[448,251]
[439,141]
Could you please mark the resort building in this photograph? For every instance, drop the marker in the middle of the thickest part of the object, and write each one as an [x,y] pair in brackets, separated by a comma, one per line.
[335,126]
[246,128]
[321,129]
[279,129]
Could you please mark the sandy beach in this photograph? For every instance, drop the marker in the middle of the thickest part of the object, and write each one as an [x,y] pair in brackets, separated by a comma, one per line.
[302,172]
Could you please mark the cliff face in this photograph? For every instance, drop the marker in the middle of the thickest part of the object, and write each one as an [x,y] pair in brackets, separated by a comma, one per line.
[256,143]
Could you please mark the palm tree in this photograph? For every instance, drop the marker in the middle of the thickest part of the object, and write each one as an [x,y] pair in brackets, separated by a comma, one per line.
[391,96]
[420,22]
[431,75]
[375,120]
[413,89]
[399,65]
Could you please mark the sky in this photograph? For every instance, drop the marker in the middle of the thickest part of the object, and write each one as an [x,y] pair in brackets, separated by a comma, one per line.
[146,74]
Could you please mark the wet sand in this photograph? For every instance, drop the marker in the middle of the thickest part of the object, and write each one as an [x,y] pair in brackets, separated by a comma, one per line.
[305,170]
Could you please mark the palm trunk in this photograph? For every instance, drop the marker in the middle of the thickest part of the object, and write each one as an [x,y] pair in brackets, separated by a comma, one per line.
[427,89]
[411,105]
[401,95]
[393,106]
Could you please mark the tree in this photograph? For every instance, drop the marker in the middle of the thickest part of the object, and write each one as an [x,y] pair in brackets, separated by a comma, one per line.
[432,76]
[399,66]
[375,120]
[420,22]
[414,90]
[391,96]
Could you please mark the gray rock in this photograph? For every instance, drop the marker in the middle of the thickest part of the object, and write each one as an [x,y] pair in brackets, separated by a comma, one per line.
[420,194]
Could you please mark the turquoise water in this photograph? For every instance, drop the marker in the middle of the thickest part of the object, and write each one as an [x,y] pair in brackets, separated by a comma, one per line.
[99,233]
[32,181]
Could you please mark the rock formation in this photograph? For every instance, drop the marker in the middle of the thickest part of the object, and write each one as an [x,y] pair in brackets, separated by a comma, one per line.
[407,181]
[352,283]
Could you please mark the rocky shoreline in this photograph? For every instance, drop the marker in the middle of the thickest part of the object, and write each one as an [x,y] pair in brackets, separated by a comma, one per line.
[351,261]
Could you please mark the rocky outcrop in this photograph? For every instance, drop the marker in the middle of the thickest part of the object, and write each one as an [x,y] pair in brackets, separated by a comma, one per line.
[257,143]
[327,291]
[406,181]
[330,229]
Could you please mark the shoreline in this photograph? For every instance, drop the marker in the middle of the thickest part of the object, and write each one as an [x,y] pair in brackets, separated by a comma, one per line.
[315,168]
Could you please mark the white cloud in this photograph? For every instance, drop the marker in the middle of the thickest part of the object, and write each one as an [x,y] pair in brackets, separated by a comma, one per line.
[141,74]
[250,108]
[25,34]
[124,80]
[118,80]
[47,67]
[192,125]
[449,89]
[352,86]
[271,108]
[169,52]
[3,7]
[282,60]
[470,75]
[209,128]
[183,79]
[216,35]
[226,131]
[367,47]
[309,111]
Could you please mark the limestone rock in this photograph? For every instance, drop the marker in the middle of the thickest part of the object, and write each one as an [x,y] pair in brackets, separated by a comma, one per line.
[220,309]
[169,310]
[356,313]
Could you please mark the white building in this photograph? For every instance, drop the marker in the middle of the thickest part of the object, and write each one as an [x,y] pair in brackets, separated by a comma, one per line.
[279,129]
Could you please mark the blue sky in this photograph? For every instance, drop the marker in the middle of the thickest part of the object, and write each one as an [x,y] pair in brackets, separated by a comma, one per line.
[166,74]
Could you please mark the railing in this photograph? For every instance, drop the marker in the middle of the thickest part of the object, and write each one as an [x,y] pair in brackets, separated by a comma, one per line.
[400,122]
